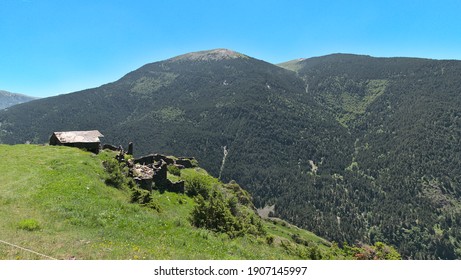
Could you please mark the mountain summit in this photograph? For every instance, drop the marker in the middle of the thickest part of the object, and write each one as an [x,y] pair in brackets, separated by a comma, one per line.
[216,54]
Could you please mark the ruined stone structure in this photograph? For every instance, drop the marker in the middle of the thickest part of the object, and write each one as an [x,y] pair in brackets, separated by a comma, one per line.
[151,172]
[150,159]
[130,148]
[186,162]
[143,176]
[109,147]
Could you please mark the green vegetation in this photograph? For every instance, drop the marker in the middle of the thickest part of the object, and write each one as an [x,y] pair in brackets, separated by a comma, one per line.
[379,251]
[353,148]
[55,201]
[117,174]
[174,170]
[198,182]
[146,85]
[224,214]
[401,185]
[29,224]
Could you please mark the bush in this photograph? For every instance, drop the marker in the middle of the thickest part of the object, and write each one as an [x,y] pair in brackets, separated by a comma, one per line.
[116,175]
[270,239]
[225,215]
[144,198]
[29,225]
[214,214]
[314,253]
[198,184]
[243,196]
[299,240]
[140,196]
[379,251]
[173,169]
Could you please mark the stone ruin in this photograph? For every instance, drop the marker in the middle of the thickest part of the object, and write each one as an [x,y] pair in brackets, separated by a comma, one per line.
[150,172]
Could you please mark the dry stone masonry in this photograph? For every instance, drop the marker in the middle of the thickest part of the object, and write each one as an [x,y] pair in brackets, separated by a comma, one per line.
[150,172]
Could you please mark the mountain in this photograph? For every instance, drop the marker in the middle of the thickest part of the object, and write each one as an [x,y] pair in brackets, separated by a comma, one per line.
[353,148]
[8,99]
[197,104]
[404,177]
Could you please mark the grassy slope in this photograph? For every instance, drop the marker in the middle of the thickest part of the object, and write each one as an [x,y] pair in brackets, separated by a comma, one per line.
[63,190]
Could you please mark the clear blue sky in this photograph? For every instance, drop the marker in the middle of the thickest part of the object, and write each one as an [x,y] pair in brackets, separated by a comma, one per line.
[50,47]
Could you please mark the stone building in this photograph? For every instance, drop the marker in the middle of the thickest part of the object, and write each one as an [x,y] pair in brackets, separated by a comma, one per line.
[88,140]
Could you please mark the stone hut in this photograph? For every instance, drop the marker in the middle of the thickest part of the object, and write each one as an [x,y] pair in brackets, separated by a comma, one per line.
[88,140]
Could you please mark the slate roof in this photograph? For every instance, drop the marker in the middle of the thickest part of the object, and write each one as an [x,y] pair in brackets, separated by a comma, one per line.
[89,136]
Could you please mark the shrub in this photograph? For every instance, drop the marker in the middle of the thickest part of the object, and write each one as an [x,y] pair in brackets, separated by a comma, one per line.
[314,253]
[198,184]
[173,169]
[140,196]
[379,251]
[116,176]
[221,214]
[144,198]
[299,240]
[214,214]
[29,225]
[243,196]
[270,239]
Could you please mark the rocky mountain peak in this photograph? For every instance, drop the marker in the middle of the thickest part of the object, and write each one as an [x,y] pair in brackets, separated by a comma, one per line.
[216,54]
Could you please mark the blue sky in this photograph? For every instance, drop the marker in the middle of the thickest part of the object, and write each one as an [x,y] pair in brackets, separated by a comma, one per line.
[51,47]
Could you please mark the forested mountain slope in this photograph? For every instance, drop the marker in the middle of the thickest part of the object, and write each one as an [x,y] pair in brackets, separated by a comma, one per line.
[354,148]
[405,115]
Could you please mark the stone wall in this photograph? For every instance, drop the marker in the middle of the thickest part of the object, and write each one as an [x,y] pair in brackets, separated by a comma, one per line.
[151,171]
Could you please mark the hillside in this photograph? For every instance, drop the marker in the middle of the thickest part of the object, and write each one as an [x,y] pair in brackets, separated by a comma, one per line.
[55,202]
[8,99]
[404,113]
[196,105]
[353,148]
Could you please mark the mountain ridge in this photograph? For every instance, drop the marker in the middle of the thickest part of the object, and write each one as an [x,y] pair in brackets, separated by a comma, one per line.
[8,99]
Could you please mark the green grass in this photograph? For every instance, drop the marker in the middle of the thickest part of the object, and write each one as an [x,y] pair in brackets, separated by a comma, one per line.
[54,201]
[354,105]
